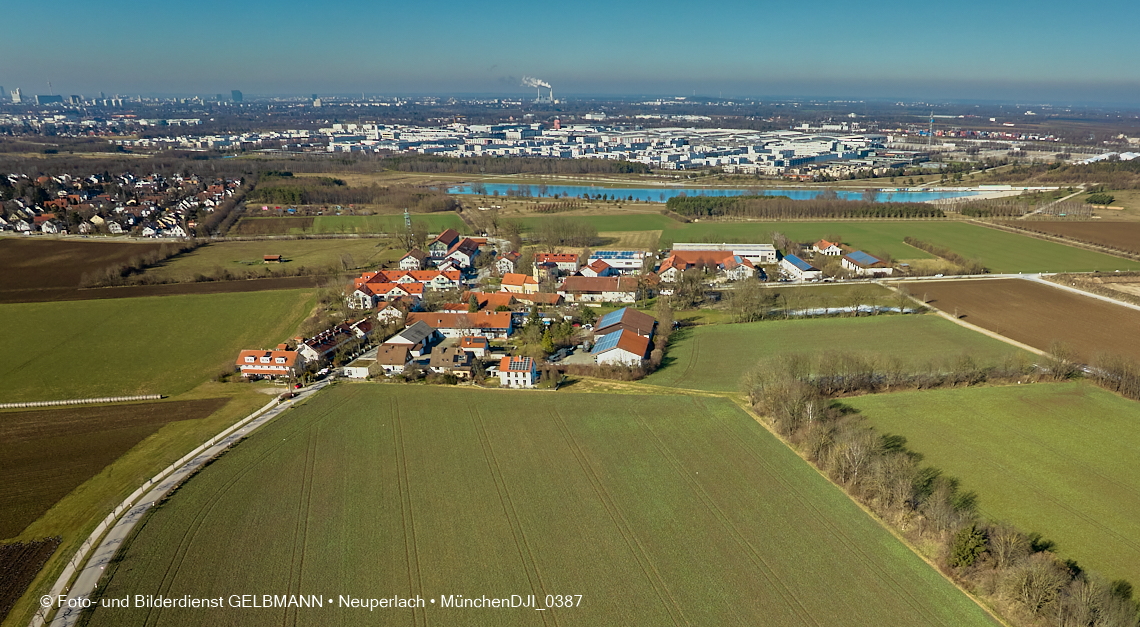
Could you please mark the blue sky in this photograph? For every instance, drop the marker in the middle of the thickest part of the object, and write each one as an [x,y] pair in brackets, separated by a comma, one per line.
[1044,50]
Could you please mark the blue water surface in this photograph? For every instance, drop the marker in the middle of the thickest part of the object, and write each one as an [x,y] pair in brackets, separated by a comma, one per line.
[661,194]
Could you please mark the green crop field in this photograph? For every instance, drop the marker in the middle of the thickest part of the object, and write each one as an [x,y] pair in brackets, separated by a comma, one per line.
[999,251]
[248,256]
[149,345]
[715,357]
[1056,459]
[655,510]
[435,222]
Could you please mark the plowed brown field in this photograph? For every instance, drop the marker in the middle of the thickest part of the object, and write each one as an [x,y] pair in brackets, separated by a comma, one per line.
[1037,314]
[38,263]
[45,454]
[1123,236]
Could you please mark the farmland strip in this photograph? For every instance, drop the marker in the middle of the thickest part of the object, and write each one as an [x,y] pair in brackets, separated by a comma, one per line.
[509,508]
[411,548]
[300,533]
[755,557]
[624,527]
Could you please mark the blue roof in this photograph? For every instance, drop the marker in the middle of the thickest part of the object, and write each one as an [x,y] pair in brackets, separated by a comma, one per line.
[799,263]
[612,317]
[615,254]
[863,258]
[607,342]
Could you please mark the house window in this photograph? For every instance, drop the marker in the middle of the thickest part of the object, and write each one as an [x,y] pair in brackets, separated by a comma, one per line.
[264,360]
[249,360]
[280,360]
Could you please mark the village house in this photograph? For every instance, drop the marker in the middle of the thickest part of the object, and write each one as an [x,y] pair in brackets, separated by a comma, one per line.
[441,245]
[824,247]
[463,253]
[725,263]
[488,324]
[393,358]
[477,345]
[616,289]
[281,362]
[862,264]
[389,314]
[451,359]
[519,283]
[517,372]
[414,259]
[597,268]
[566,263]
[505,264]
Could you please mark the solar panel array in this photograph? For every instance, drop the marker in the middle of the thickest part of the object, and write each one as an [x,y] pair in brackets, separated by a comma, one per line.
[607,342]
[616,254]
[862,258]
[520,363]
[611,318]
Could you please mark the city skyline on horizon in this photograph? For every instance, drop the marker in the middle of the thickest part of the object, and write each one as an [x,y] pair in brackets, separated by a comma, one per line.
[1013,52]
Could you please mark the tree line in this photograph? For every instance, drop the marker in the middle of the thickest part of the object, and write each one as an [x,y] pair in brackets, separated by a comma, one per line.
[1013,571]
[782,207]
[967,266]
[119,274]
[331,191]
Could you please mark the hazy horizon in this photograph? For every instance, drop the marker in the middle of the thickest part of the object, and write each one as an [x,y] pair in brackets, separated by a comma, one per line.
[1047,52]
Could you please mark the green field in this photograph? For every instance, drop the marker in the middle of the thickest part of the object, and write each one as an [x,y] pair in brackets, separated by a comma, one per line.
[1000,251]
[248,256]
[1062,460]
[150,345]
[655,510]
[435,222]
[715,357]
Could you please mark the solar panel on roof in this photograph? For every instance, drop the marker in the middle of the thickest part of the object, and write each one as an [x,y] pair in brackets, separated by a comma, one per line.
[611,318]
[606,343]
[861,257]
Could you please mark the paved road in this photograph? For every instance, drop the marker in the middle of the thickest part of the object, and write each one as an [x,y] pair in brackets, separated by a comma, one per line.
[92,571]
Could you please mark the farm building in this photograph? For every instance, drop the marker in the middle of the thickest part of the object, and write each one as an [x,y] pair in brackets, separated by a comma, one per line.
[517,372]
[862,264]
[627,319]
[798,269]
[519,283]
[580,289]
[489,324]
[756,253]
[272,259]
[281,362]
[360,368]
[621,261]
[727,264]
[824,247]
[623,348]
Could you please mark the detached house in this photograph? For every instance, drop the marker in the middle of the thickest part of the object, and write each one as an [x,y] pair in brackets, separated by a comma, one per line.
[506,263]
[519,283]
[463,253]
[415,259]
[565,262]
[598,268]
[418,338]
[517,372]
[824,247]
[441,245]
[613,289]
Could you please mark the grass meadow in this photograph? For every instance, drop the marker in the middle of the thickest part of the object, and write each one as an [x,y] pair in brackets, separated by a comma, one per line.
[393,223]
[655,510]
[149,345]
[715,357]
[248,256]
[1055,459]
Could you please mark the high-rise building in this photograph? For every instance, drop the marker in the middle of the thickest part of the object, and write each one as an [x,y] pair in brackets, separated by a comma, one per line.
[1,92]
[16,97]
[236,95]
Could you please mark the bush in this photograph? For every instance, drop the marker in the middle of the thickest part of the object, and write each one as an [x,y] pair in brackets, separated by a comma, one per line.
[1100,198]
[969,544]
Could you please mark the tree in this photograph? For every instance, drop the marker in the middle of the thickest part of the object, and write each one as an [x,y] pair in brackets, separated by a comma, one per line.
[419,234]
[969,544]
[473,304]
[547,342]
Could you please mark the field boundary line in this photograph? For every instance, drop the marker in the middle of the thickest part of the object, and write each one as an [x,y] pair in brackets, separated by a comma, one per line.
[872,564]
[82,401]
[1037,278]
[967,325]
[1064,241]
[80,571]
[882,523]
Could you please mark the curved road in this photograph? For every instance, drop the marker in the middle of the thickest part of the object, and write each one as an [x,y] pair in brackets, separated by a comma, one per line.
[88,578]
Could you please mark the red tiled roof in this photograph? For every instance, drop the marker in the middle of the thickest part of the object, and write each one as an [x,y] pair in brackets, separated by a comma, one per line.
[512,278]
[477,320]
